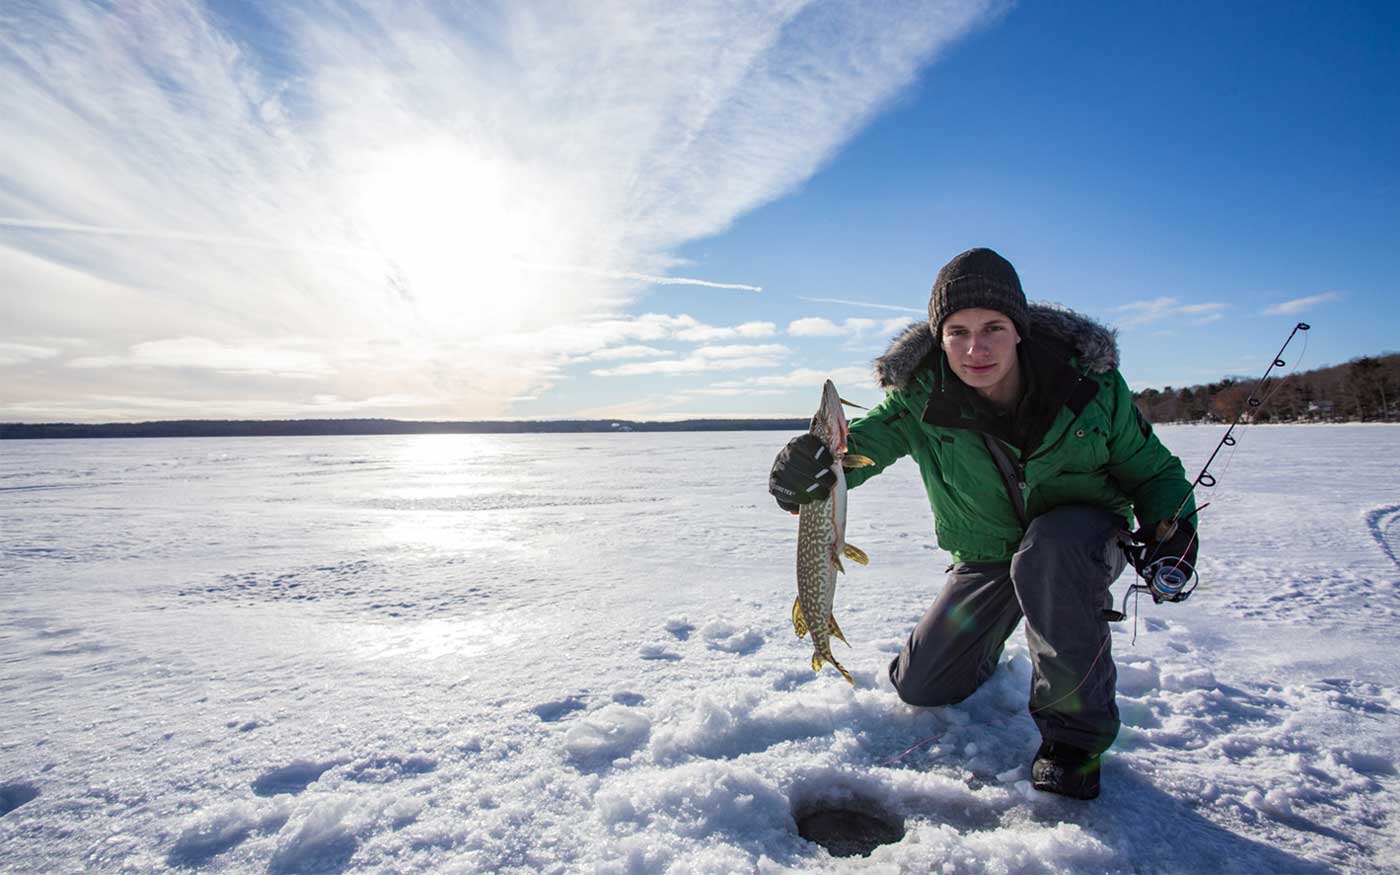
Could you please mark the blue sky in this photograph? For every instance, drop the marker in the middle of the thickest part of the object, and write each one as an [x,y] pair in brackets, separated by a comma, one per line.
[540,212]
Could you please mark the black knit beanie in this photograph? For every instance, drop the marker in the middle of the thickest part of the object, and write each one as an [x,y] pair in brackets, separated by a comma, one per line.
[977,278]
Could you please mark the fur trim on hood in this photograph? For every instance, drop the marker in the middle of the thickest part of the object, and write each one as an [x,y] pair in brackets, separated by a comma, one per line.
[1095,345]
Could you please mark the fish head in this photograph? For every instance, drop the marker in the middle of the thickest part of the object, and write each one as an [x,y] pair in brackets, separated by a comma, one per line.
[830,423]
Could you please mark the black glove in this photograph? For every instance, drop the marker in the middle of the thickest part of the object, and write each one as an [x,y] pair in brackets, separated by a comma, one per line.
[802,472]
[1179,543]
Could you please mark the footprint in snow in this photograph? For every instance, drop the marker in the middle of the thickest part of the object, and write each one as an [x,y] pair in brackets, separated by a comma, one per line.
[549,712]
[292,778]
[15,794]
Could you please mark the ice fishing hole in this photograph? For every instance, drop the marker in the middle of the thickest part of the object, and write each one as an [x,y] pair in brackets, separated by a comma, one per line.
[854,828]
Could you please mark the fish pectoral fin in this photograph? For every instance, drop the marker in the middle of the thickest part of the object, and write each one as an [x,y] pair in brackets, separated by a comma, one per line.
[851,403]
[856,460]
[836,560]
[855,554]
[799,622]
[835,630]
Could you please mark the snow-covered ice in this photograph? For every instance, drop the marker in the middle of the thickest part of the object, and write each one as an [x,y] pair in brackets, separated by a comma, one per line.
[558,653]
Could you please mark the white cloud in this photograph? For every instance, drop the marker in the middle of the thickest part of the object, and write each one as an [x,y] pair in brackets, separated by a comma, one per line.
[707,333]
[705,358]
[815,326]
[1146,312]
[118,408]
[855,377]
[429,187]
[273,359]
[616,353]
[19,353]
[1298,305]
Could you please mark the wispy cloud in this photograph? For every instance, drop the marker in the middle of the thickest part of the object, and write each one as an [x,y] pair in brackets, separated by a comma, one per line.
[913,310]
[1298,305]
[294,246]
[396,174]
[1140,313]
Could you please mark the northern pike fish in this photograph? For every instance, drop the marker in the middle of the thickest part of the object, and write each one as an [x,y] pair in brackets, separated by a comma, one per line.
[821,538]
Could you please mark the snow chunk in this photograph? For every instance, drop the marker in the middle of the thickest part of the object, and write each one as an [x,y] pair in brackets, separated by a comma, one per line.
[608,733]
[213,831]
[1198,679]
[680,627]
[698,800]
[657,651]
[727,637]
[321,841]
[739,724]
[1138,678]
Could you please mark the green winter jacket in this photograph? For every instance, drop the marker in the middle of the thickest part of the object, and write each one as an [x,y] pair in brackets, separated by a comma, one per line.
[1076,438]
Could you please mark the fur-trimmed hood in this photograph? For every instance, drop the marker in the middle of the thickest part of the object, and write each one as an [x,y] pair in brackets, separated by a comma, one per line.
[1094,344]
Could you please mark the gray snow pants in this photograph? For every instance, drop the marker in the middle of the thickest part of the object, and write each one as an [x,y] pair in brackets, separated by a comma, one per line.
[1059,582]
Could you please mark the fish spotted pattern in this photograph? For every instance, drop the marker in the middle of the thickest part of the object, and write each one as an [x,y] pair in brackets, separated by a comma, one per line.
[821,538]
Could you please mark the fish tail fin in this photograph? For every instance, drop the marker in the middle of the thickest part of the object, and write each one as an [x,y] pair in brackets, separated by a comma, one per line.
[799,621]
[855,554]
[819,657]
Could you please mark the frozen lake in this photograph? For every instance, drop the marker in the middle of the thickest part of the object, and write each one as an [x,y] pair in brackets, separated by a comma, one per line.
[540,653]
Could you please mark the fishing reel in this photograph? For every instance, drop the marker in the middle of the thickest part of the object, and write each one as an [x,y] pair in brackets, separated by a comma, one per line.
[1165,578]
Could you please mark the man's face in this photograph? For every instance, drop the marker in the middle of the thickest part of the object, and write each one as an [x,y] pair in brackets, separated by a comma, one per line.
[981,347]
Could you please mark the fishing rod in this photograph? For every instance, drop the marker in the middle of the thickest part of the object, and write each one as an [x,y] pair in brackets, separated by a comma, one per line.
[1172,578]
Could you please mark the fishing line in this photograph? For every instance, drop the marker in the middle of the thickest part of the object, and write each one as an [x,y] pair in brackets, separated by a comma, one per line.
[1172,578]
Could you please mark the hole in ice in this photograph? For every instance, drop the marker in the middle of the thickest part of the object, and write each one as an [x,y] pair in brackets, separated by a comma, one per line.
[854,828]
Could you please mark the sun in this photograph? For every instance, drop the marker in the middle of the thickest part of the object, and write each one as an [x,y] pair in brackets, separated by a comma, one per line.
[457,227]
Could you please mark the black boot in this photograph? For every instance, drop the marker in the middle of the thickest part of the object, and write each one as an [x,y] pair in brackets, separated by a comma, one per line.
[1068,771]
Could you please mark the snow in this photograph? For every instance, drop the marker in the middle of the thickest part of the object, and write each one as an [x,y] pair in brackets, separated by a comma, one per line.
[556,653]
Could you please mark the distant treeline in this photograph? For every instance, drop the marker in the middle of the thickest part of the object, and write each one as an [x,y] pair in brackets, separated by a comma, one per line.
[299,427]
[1365,389]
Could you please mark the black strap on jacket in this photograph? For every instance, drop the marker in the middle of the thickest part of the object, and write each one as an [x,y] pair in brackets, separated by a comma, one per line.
[1010,475]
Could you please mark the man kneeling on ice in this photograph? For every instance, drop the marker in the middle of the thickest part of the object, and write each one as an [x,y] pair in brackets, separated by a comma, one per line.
[1035,461]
